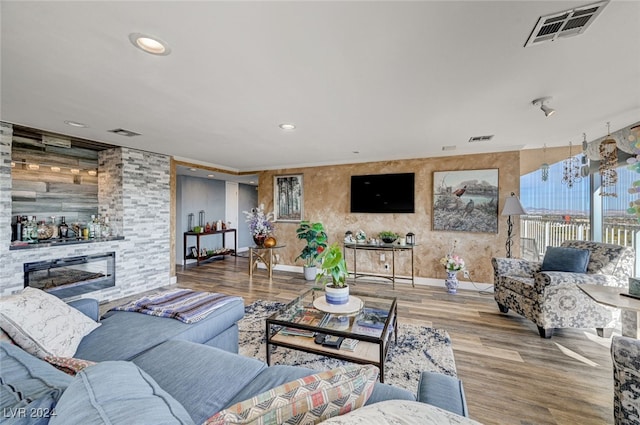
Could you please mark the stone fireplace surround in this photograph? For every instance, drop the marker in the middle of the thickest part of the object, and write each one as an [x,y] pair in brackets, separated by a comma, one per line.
[134,189]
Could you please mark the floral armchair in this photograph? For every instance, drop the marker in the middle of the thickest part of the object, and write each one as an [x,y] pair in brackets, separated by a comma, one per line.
[551,299]
[625,353]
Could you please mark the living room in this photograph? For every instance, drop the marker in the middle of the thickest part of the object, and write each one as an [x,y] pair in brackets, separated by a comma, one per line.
[381,92]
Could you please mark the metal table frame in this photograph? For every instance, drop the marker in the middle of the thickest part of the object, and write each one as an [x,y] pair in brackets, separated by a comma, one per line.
[386,247]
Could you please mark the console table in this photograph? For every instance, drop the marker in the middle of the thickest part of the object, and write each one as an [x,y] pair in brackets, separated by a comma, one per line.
[263,254]
[385,247]
[200,257]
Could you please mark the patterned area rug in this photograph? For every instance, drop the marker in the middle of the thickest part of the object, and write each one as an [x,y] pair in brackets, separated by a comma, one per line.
[419,349]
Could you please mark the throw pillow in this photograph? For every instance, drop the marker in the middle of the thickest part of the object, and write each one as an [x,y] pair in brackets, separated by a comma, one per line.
[68,365]
[43,324]
[117,393]
[6,338]
[400,412]
[307,400]
[29,387]
[564,259]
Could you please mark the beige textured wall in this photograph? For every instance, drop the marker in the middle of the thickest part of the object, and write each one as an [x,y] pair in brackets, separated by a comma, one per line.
[326,199]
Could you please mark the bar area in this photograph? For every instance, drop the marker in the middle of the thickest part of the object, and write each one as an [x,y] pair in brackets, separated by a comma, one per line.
[83,219]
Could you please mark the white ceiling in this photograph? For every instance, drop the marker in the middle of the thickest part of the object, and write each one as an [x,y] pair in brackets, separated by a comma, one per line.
[389,80]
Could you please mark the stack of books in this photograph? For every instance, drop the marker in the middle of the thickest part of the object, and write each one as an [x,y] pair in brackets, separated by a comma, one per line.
[306,317]
[370,322]
[349,344]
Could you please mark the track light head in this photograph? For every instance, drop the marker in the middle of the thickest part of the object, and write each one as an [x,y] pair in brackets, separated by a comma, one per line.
[546,109]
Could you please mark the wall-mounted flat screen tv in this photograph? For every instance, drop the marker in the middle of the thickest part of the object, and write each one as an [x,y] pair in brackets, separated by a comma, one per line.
[383,193]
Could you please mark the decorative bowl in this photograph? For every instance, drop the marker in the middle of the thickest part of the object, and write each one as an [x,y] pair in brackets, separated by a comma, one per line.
[388,240]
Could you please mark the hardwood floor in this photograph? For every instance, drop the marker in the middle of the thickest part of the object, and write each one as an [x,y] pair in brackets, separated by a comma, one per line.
[510,374]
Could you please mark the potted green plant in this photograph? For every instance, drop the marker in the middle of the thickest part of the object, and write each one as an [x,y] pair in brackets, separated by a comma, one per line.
[316,238]
[333,275]
[388,236]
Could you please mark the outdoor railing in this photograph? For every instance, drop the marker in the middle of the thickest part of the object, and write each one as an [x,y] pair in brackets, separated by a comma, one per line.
[552,231]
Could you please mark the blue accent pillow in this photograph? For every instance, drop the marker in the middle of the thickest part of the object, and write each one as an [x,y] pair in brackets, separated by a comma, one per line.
[563,259]
[117,393]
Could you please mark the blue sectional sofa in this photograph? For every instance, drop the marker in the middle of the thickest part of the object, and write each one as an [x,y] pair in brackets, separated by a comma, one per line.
[160,371]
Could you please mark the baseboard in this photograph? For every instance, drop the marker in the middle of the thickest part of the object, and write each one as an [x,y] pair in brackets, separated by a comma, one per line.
[422,281]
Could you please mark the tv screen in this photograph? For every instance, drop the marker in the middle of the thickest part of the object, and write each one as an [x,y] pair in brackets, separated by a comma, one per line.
[383,193]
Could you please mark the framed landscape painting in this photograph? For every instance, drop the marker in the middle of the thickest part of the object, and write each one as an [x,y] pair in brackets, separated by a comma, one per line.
[466,201]
[288,197]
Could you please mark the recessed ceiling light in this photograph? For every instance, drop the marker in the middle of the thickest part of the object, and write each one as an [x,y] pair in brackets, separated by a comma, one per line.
[287,126]
[210,175]
[149,44]
[75,171]
[33,167]
[55,168]
[76,124]
[251,182]
[92,172]
[192,169]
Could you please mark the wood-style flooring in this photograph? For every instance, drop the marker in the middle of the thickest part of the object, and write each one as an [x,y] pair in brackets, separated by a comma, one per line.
[510,374]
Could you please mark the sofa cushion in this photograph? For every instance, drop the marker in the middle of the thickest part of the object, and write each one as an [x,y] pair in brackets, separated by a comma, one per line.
[201,378]
[311,399]
[28,383]
[42,324]
[400,412]
[124,335]
[565,259]
[117,393]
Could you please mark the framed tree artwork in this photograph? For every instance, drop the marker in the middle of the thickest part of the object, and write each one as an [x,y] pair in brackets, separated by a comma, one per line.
[288,197]
[466,201]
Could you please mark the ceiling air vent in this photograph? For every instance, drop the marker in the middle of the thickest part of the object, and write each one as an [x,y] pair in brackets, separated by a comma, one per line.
[564,24]
[449,148]
[123,132]
[480,138]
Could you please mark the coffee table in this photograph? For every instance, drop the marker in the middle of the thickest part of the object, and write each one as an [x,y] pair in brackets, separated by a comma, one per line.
[300,316]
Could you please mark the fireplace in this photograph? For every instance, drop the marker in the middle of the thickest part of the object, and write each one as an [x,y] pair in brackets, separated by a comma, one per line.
[72,276]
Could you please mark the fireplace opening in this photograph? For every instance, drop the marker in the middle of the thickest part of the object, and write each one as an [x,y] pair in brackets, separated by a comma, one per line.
[72,276]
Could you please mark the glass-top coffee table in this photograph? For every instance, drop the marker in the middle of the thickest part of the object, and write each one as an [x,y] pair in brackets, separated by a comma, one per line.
[366,325]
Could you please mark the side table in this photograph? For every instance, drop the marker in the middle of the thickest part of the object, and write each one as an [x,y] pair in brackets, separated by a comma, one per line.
[262,254]
[615,297]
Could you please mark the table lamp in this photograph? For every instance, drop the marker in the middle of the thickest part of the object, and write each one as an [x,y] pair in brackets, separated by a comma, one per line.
[512,206]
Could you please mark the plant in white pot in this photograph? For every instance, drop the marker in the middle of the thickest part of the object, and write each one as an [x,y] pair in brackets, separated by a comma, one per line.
[333,275]
[316,238]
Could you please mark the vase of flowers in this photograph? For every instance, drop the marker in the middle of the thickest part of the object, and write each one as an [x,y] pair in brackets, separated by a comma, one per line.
[316,238]
[333,275]
[453,264]
[260,224]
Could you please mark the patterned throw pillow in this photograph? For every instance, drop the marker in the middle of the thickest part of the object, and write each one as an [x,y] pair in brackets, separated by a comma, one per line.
[400,412]
[69,365]
[307,400]
[42,324]
[5,337]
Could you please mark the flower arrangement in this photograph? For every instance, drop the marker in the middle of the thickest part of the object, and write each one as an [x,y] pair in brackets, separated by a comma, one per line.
[316,238]
[452,262]
[259,222]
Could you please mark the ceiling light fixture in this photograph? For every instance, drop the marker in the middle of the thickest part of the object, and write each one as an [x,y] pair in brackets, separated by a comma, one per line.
[547,110]
[287,126]
[76,124]
[92,172]
[149,44]
[211,176]
[55,168]
[34,167]
[74,171]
